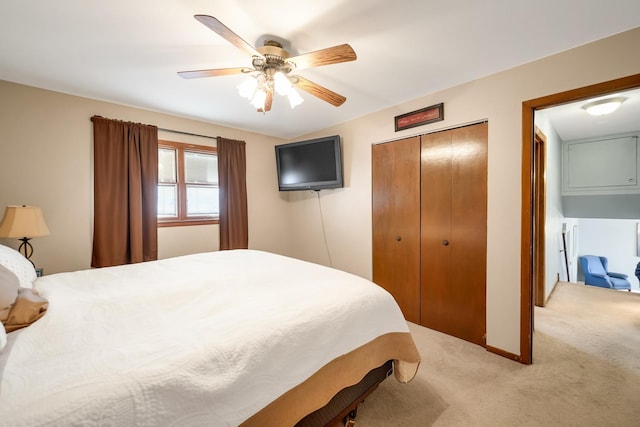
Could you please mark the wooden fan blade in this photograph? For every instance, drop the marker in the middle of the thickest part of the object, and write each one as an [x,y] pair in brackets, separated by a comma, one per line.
[196,74]
[267,103]
[330,55]
[319,91]
[224,32]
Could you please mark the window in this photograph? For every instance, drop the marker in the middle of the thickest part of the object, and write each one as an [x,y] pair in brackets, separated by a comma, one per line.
[187,184]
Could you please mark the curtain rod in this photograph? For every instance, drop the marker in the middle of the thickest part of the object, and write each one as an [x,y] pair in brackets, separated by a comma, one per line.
[187,133]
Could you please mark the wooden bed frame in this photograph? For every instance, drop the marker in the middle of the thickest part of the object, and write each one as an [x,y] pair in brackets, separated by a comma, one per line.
[342,408]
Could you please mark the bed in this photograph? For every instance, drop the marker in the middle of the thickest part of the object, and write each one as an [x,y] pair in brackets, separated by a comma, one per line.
[227,338]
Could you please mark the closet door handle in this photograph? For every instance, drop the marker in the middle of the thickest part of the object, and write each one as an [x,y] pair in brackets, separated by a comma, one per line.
[398,238]
[445,242]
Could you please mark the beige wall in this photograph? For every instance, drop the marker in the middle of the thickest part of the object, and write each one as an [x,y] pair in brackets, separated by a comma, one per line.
[46,160]
[497,98]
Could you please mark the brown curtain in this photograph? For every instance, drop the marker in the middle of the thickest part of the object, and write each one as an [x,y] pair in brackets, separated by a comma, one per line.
[232,173]
[125,165]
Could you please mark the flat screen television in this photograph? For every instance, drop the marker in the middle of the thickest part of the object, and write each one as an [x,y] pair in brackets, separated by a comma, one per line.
[315,164]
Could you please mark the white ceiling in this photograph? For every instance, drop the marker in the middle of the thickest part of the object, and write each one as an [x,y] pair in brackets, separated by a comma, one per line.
[128,52]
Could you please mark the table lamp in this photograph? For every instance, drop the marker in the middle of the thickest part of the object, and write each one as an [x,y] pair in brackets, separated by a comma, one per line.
[23,222]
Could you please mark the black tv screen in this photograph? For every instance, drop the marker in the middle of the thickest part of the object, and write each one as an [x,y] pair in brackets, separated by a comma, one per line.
[315,164]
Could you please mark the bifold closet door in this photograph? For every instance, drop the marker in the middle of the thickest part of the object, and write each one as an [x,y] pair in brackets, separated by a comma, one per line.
[454,232]
[395,169]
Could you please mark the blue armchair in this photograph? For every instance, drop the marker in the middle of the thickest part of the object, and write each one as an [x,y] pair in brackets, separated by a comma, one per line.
[596,274]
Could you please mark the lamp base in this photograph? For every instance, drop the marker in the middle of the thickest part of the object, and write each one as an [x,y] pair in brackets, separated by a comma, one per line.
[26,249]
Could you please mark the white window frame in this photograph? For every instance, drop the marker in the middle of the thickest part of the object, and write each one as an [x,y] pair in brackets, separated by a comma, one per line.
[182,219]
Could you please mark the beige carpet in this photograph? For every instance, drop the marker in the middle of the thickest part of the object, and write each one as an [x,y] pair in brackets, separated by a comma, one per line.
[586,372]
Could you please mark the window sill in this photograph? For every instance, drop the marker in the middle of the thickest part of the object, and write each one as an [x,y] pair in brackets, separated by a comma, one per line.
[186,222]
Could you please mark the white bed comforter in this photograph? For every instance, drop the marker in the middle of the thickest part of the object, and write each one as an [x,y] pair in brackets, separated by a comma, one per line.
[205,339]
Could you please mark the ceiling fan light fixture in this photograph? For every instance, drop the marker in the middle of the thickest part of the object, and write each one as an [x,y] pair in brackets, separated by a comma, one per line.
[281,83]
[294,97]
[256,88]
[248,87]
[259,99]
[273,64]
[604,106]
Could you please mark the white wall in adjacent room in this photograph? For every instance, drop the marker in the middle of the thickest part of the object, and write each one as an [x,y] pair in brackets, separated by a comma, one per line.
[554,219]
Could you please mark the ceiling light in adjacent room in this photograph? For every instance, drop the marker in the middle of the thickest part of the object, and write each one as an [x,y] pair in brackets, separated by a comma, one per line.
[604,106]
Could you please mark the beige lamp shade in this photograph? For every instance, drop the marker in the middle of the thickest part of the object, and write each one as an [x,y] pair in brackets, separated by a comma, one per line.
[23,221]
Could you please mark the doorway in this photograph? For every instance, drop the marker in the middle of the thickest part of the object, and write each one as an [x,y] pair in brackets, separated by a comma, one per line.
[530,238]
[539,215]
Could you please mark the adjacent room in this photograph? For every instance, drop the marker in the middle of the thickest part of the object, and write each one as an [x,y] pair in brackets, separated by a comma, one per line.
[592,204]
[382,213]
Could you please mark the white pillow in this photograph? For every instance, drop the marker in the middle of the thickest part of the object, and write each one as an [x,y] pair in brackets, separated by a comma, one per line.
[3,337]
[20,266]
[9,286]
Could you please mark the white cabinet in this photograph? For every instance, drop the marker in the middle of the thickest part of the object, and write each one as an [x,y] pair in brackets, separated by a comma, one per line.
[603,166]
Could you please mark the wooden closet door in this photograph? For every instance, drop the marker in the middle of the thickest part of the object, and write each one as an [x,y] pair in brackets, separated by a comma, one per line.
[436,231]
[396,222]
[454,232]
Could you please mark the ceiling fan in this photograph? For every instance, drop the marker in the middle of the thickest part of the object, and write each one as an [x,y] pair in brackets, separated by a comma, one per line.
[272,67]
